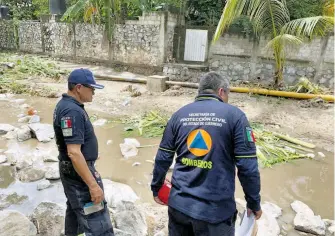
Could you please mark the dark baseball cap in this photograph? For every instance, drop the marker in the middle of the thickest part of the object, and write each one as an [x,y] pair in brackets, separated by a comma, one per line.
[84,77]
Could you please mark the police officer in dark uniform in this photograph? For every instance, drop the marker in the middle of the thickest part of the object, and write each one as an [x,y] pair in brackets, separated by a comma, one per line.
[87,212]
[210,138]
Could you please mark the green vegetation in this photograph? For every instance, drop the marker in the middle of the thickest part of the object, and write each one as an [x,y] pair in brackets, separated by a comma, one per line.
[14,69]
[149,125]
[273,148]
[271,18]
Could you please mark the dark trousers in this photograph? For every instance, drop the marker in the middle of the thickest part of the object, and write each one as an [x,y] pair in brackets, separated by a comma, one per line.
[183,225]
[77,194]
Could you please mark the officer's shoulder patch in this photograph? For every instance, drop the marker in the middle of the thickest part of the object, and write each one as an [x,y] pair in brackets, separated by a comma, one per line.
[66,125]
[250,135]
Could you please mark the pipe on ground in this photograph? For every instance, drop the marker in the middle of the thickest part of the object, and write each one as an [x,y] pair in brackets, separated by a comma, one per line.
[329,98]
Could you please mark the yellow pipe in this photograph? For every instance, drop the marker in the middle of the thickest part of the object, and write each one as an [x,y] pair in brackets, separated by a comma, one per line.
[329,98]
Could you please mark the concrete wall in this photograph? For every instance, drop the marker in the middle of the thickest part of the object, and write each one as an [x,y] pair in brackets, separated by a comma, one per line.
[241,59]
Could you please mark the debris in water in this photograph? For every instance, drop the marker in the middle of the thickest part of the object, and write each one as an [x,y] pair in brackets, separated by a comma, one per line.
[150,161]
[24,106]
[136,164]
[151,124]
[321,154]
[3,159]
[109,142]
[24,119]
[100,122]
[19,101]
[34,119]
[31,111]
[138,182]
[311,155]
[128,128]
[126,102]
[272,148]
[129,147]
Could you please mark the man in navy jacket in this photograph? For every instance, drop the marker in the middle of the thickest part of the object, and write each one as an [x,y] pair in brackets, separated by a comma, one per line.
[210,138]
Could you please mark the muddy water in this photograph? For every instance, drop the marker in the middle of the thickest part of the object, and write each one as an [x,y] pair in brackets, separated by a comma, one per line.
[311,181]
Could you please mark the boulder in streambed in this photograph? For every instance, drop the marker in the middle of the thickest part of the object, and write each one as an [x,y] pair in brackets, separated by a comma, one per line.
[49,218]
[14,223]
[306,221]
[5,128]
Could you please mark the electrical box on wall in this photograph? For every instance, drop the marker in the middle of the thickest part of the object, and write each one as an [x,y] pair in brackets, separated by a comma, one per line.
[4,12]
[57,7]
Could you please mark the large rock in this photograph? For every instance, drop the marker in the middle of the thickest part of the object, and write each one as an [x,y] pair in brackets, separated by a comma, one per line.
[7,175]
[43,185]
[5,128]
[50,158]
[156,218]
[11,135]
[118,232]
[272,209]
[14,223]
[49,219]
[23,163]
[23,133]
[31,174]
[118,195]
[131,221]
[300,207]
[11,199]
[268,225]
[306,221]
[52,172]
[43,132]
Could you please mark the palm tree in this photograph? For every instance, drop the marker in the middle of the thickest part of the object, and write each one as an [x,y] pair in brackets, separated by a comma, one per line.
[95,11]
[271,18]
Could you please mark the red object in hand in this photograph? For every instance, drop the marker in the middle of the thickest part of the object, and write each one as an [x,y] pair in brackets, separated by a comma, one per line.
[164,192]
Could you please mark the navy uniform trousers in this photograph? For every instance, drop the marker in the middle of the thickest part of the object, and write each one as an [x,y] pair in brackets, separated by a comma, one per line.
[183,225]
[77,194]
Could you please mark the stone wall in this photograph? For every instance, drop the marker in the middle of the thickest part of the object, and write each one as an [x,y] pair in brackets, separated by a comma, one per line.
[7,35]
[30,36]
[58,39]
[146,41]
[137,44]
[90,42]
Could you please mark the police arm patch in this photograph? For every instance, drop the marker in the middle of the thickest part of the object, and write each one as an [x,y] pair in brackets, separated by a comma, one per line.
[250,135]
[66,125]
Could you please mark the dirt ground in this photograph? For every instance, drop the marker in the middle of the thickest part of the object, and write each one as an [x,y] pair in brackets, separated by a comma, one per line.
[305,120]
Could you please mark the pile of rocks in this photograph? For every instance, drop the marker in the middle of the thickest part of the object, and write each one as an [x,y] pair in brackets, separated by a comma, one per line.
[130,218]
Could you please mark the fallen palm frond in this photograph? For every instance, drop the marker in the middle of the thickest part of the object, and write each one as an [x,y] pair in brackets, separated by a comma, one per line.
[21,67]
[273,148]
[151,124]
[306,86]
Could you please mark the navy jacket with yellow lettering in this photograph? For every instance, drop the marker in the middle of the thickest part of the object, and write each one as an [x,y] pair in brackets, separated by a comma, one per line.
[210,139]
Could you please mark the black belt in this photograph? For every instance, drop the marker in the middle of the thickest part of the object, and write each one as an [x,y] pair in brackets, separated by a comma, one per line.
[69,163]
